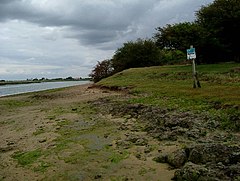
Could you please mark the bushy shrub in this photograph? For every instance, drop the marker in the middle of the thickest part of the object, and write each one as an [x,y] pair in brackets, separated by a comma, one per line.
[141,53]
[102,70]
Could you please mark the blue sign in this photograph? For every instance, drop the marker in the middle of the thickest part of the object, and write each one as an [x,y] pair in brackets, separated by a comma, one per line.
[191,54]
[191,51]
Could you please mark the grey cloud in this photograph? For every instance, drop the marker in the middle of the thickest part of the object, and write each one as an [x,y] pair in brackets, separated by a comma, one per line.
[103,14]
[94,37]
[4,56]
[11,10]
[97,17]
[7,1]
[99,22]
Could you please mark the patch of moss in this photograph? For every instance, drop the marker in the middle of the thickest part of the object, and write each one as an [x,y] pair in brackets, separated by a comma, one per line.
[118,178]
[27,158]
[77,157]
[230,119]
[7,122]
[116,157]
[144,171]
[14,103]
[51,117]
[42,167]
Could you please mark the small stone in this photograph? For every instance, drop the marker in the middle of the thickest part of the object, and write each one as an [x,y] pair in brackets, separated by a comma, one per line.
[58,127]
[98,176]
[42,140]
[138,156]
[177,158]
[6,149]
[147,150]
[10,143]
[106,135]
[161,158]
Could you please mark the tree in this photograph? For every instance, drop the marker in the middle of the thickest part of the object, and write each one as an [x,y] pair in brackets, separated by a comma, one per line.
[221,22]
[141,53]
[69,78]
[102,70]
[178,36]
[213,34]
[170,57]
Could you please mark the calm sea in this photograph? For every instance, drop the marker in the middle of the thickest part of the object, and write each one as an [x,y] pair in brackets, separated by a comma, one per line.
[7,90]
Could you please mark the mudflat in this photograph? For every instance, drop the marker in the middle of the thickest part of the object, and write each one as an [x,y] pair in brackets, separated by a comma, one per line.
[64,134]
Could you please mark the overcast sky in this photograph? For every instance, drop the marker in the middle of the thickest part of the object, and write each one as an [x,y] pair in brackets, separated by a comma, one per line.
[61,38]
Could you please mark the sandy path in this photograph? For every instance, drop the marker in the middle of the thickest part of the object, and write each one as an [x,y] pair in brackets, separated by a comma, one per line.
[56,135]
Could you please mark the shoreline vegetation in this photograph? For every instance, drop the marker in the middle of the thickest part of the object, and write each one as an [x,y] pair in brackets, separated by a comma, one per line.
[139,124]
[30,81]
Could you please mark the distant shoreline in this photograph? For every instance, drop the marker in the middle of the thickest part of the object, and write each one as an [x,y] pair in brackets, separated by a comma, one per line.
[2,83]
[15,89]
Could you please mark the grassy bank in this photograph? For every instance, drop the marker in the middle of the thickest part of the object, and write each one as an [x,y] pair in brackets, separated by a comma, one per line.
[171,87]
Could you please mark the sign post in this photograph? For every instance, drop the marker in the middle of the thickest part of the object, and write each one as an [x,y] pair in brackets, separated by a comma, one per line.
[191,55]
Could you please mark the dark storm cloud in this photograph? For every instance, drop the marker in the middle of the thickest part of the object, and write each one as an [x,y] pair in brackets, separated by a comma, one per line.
[8,9]
[4,2]
[94,22]
[91,37]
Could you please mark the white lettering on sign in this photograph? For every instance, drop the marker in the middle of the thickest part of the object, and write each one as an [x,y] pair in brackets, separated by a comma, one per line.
[191,54]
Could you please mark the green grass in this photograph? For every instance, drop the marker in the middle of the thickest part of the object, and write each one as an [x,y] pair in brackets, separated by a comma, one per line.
[171,87]
[117,157]
[27,158]
[41,167]
[14,103]
[144,171]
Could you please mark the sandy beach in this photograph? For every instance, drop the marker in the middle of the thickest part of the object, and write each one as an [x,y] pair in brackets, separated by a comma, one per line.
[59,135]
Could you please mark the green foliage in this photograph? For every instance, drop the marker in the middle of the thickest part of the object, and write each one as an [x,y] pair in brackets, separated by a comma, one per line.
[178,36]
[213,34]
[181,36]
[102,70]
[221,23]
[142,53]
[172,57]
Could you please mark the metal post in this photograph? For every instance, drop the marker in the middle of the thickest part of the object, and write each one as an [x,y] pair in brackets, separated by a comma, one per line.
[194,73]
[196,82]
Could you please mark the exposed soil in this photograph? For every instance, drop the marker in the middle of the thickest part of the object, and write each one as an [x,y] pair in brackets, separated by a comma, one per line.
[64,135]
[192,143]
